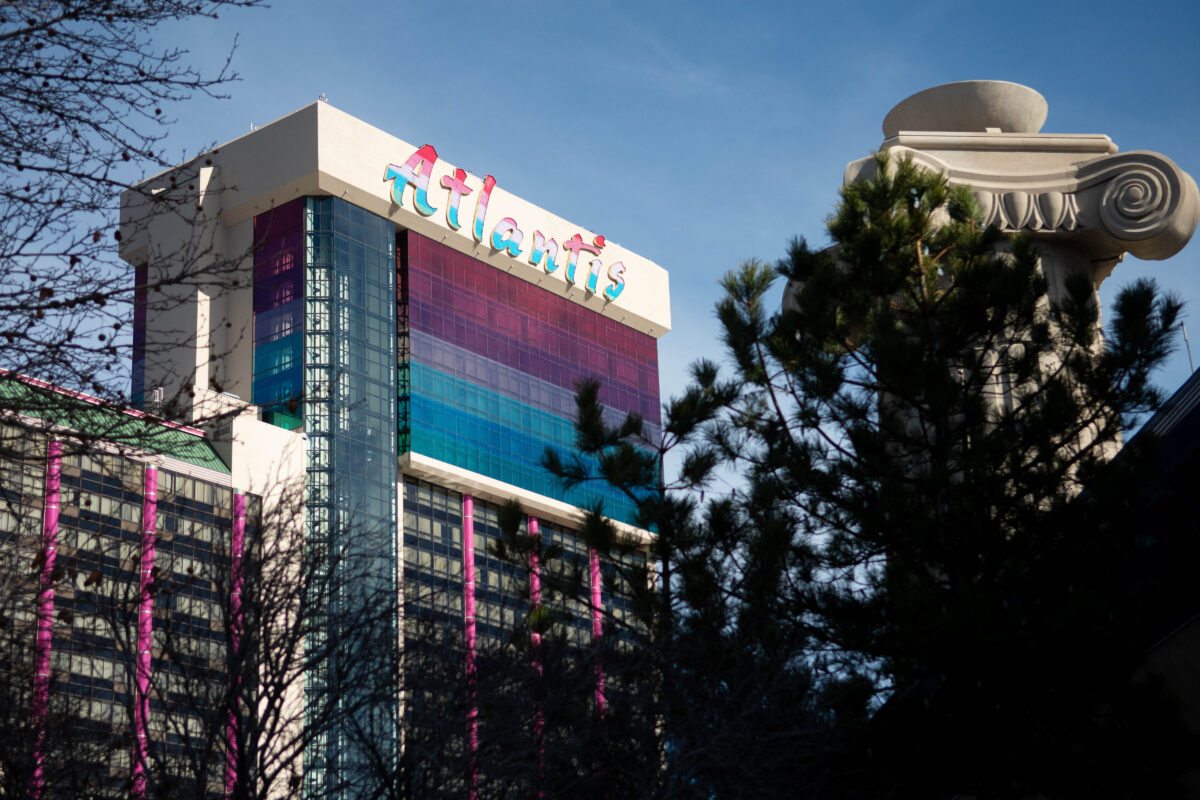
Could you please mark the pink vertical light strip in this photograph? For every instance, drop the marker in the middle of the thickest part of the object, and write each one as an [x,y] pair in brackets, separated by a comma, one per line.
[597,626]
[535,582]
[468,518]
[45,614]
[141,700]
[535,638]
[237,547]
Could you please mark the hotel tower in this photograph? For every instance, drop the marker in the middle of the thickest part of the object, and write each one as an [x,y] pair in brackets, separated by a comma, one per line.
[397,342]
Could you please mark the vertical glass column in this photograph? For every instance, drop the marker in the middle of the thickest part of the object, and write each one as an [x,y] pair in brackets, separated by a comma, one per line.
[350,418]
[403,350]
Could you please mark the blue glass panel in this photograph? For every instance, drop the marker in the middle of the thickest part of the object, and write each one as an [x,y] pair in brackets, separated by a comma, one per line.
[481,444]
[272,388]
[508,381]
[279,355]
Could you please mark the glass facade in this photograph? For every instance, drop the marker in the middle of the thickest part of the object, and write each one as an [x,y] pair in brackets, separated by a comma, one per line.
[367,341]
[490,365]
[349,416]
[433,567]
[279,313]
[377,343]
[433,573]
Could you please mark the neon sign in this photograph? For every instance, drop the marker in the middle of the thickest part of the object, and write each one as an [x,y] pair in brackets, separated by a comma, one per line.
[507,236]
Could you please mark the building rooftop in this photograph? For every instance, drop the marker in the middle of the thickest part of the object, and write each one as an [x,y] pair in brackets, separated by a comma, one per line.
[91,418]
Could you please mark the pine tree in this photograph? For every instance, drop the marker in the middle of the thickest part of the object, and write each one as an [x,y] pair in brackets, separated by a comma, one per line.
[942,433]
[917,589]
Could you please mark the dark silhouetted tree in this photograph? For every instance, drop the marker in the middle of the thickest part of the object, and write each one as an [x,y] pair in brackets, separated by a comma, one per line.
[917,588]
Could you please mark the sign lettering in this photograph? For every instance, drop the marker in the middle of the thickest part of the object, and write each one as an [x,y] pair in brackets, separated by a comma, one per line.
[507,236]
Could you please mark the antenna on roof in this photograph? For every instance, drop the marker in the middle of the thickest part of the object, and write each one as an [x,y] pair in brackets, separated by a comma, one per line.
[154,403]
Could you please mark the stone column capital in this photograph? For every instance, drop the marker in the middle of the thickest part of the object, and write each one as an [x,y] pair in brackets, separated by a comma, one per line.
[1107,204]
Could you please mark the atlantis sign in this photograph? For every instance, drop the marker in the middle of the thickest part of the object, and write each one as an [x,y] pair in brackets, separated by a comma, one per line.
[506,235]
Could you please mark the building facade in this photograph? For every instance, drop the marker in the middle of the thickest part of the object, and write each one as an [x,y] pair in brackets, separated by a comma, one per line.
[397,341]
[118,647]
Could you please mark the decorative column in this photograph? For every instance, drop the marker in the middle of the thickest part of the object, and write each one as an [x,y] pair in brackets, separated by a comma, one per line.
[141,700]
[45,614]
[1083,203]
[236,579]
[597,627]
[468,521]
[535,639]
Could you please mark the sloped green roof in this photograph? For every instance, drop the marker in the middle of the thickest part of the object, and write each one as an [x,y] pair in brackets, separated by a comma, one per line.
[93,420]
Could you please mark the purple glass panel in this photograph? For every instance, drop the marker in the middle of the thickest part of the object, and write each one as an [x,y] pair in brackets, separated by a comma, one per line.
[537,322]
[481,294]
[564,362]
[279,290]
[457,270]
[279,247]
[484,310]
[279,256]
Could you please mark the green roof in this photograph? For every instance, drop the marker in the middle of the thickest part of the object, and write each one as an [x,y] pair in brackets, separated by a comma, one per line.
[90,419]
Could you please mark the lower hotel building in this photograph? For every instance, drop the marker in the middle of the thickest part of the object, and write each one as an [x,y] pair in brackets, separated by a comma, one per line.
[116,647]
[377,347]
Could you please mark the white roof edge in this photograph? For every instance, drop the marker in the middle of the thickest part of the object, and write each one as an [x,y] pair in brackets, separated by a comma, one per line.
[495,491]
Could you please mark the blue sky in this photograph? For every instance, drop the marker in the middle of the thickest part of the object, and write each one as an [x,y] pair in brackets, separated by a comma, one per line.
[700,134]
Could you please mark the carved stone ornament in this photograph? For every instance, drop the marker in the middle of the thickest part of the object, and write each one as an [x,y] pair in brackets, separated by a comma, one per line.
[1073,188]
[1138,202]
[1085,204]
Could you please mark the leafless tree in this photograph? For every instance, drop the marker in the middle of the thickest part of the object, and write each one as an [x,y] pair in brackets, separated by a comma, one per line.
[245,692]
[85,100]
[248,677]
[86,95]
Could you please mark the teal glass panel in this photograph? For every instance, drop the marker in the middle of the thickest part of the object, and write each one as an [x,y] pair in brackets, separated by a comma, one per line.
[483,444]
